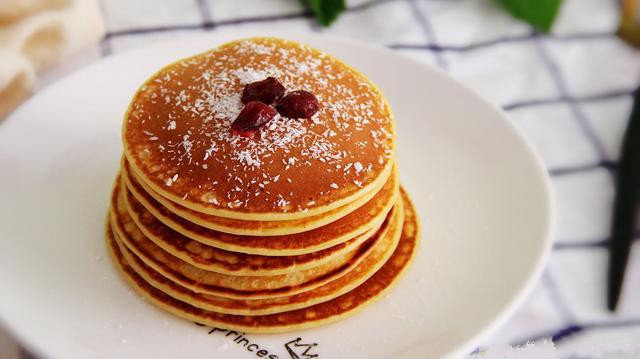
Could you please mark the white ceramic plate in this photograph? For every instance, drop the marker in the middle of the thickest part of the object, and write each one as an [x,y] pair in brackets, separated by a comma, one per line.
[480,190]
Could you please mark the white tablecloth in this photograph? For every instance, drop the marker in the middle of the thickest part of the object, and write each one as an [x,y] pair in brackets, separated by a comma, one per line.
[568,92]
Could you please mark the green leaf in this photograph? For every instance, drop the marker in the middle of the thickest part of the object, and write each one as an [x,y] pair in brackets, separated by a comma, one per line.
[538,13]
[326,11]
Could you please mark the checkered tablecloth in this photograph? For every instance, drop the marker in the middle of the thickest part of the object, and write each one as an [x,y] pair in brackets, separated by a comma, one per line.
[569,93]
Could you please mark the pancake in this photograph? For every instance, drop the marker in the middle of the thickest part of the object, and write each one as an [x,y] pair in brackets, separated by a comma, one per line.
[177,138]
[259,228]
[349,281]
[241,287]
[358,222]
[219,260]
[338,308]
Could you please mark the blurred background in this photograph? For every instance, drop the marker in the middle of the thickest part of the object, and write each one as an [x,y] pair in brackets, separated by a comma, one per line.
[563,71]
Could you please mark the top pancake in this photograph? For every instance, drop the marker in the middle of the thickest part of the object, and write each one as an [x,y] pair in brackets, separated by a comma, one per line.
[177,135]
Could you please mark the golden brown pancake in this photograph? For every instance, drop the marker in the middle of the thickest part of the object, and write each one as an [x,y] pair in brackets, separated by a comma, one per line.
[265,228]
[347,304]
[177,138]
[219,260]
[358,222]
[381,252]
[242,287]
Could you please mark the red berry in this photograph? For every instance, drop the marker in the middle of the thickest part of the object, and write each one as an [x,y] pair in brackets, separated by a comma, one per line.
[298,104]
[268,91]
[253,115]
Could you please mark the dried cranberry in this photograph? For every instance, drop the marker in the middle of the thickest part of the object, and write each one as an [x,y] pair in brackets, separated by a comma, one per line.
[253,115]
[268,91]
[298,104]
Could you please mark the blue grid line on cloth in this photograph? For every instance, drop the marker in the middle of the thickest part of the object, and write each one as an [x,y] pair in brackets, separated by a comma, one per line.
[555,296]
[579,116]
[105,45]
[427,28]
[433,46]
[502,40]
[608,95]
[560,245]
[601,243]
[569,170]
[566,332]
[208,23]
[205,11]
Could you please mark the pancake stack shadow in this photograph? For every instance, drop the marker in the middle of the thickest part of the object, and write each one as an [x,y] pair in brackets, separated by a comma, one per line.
[256,271]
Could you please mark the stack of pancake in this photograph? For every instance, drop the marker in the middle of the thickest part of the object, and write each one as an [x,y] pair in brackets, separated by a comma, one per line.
[299,225]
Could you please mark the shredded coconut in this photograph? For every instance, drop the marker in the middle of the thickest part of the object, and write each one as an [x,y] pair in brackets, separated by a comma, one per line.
[352,123]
